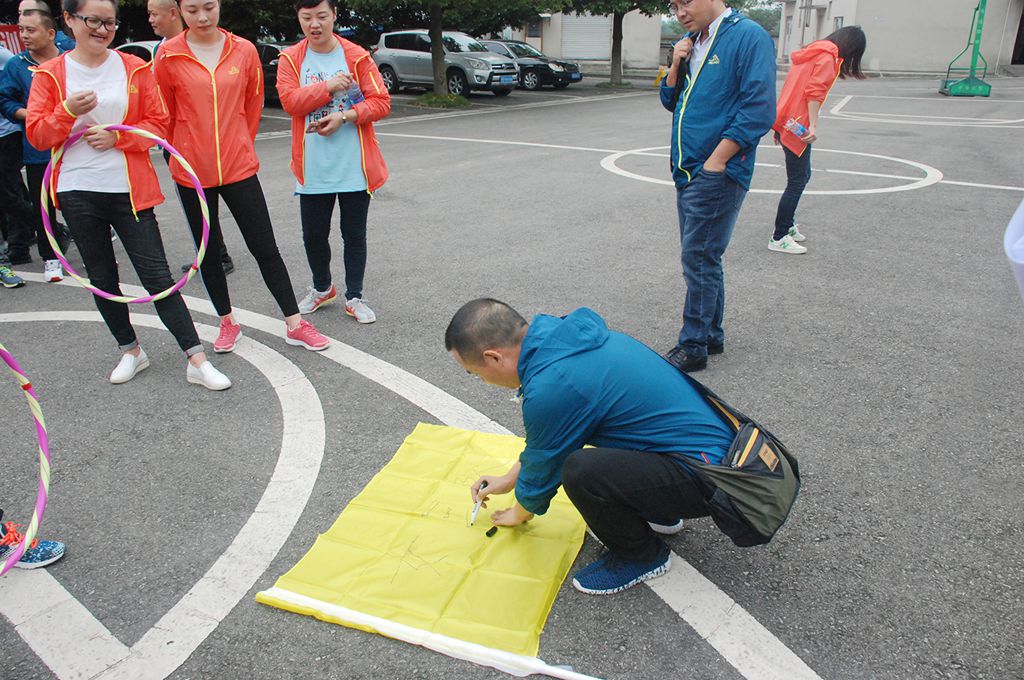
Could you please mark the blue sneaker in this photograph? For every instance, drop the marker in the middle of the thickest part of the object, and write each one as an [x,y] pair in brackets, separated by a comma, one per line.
[39,554]
[611,574]
[9,279]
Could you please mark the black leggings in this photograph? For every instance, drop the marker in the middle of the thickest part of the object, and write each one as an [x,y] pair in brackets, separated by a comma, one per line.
[248,206]
[612,487]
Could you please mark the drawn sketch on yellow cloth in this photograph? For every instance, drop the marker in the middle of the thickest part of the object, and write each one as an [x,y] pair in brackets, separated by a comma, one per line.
[402,560]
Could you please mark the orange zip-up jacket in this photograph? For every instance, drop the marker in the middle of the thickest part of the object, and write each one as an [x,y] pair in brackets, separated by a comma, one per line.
[814,71]
[300,101]
[49,123]
[214,114]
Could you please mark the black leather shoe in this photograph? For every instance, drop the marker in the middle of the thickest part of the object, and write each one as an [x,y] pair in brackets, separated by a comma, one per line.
[714,348]
[687,363]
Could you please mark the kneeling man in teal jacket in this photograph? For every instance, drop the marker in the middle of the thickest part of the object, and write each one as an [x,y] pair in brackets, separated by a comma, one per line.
[581,384]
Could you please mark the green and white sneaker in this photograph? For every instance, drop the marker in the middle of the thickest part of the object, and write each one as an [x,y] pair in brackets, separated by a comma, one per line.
[9,279]
[786,244]
[795,234]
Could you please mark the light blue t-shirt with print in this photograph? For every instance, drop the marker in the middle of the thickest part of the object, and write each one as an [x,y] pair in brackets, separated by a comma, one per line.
[333,163]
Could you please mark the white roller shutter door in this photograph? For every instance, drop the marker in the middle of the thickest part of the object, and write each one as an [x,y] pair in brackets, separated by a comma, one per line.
[586,36]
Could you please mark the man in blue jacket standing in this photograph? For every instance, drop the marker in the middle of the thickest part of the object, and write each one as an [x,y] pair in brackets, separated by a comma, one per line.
[721,91]
[580,384]
[38,31]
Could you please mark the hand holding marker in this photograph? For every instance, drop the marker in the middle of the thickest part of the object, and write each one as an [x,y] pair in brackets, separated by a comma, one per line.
[479,502]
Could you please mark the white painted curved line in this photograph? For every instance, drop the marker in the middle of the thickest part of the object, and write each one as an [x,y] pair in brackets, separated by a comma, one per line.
[73,644]
[931,175]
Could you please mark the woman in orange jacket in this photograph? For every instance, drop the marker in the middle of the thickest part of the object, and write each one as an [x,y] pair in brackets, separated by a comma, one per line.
[212,83]
[334,93]
[107,180]
[814,71]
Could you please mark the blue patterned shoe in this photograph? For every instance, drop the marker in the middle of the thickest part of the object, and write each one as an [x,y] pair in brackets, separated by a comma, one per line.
[611,574]
[9,279]
[39,554]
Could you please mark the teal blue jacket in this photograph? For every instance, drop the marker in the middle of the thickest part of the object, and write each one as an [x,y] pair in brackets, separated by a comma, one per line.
[585,384]
[731,97]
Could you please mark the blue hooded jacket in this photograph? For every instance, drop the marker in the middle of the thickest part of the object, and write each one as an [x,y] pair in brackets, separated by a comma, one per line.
[732,96]
[6,126]
[15,84]
[585,384]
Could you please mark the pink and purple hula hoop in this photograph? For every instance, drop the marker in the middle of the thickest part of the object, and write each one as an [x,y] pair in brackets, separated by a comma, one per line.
[44,461]
[45,206]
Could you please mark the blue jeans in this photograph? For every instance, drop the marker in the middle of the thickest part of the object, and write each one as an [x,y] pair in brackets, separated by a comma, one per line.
[90,216]
[708,208]
[798,174]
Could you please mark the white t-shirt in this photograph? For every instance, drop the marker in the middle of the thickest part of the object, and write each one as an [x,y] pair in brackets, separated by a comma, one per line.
[84,168]
[701,47]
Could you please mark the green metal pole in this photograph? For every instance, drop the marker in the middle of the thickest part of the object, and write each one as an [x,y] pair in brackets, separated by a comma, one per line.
[977,37]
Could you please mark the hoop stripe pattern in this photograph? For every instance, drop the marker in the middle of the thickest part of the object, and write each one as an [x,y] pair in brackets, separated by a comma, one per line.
[44,460]
[44,200]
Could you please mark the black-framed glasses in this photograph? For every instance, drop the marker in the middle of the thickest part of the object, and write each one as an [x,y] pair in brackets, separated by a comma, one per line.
[96,22]
[674,6]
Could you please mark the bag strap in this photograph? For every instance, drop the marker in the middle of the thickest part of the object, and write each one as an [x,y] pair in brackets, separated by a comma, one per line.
[683,69]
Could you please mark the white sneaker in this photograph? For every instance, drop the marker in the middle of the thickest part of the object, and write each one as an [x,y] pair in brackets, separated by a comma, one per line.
[129,366]
[52,271]
[356,307]
[786,244]
[315,299]
[794,231]
[207,376]
[666,527]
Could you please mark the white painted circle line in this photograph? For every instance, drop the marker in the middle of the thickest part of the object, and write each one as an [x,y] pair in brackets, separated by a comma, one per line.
[755,658]
[932,175]
[73,644]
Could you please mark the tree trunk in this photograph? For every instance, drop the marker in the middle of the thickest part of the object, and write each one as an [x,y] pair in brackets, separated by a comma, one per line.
[437,47]
[617,47]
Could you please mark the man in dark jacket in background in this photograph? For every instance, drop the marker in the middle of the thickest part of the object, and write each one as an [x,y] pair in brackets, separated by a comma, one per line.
[725,103]
[580,384]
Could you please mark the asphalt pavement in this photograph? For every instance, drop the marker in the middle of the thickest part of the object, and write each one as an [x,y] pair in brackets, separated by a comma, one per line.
[889,358]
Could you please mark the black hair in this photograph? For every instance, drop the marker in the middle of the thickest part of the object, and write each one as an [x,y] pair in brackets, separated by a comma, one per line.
[72,6]
[851,42]
[310,4]
[46,19]
[483,324]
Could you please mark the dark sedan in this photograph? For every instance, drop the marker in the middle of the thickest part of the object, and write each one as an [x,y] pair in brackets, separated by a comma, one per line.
[270,55]
[535,69]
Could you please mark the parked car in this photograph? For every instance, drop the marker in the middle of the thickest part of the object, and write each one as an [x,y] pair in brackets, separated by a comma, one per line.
[535,69]
[403,58]
[144,49]
[270,54]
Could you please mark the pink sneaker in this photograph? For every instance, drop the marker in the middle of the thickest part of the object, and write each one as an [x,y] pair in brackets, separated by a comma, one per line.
[306,335]
[229,335]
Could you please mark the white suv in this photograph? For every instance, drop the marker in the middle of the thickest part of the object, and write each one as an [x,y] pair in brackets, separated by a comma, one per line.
[403,58]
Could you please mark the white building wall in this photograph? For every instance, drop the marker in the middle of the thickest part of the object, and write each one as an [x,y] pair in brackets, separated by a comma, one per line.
[908,35]
[641,40]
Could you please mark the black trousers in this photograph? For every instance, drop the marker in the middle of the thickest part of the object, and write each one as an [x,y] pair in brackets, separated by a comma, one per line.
[316,211]
[612,488]
[13,202]
[35,173]
[90,216]
[247,204]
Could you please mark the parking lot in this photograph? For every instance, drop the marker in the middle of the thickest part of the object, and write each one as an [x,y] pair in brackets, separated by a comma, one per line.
[889,358]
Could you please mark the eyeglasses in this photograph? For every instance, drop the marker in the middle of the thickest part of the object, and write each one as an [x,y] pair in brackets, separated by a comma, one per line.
[96,22]
[674,6]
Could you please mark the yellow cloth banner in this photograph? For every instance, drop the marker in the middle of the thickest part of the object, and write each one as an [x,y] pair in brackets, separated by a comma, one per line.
[403,550]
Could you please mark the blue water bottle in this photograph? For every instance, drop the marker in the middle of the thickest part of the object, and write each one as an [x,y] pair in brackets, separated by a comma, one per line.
[355,94]
[795,127]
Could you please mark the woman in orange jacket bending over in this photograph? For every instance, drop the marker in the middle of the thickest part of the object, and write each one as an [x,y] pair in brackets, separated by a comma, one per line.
[814,71]
[212,83]
[107,180]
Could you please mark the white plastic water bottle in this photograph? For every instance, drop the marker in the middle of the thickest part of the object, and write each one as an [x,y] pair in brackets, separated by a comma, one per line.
[794,126]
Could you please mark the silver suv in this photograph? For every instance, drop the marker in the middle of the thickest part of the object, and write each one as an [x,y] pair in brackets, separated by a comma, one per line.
[403,58]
